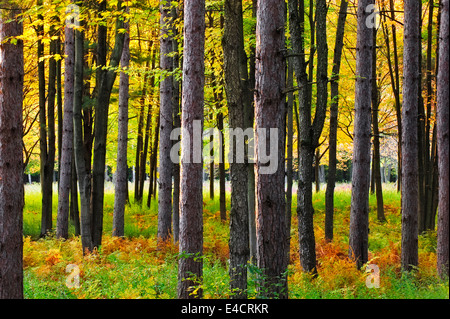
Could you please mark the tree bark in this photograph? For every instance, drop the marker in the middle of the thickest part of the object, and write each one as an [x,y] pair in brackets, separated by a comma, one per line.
[376,134]
[334,112]
[83,173]
[65,174]
[290,153]
[176,124]
[11,155]
[250,118]
[233,45]
[166,118]
[190,272]
[270,112]
[121,190]
[359,214]
[443,143]
[410,167]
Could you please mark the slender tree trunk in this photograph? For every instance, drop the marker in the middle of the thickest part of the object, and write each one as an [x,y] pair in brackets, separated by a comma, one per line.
[45,174]
[359,214]
[83,174]
[411,85]
[316,169]
[233,44]
[334,111]
[270,112]
[376,134]
[290,153]
[153,163]
[74,209]
[62,227]
[121,179]
[59,102]
[166,118]
[11,155]
[138,192]
[190,266]
[211,166]
[251,167]
[176,124]
[100,133]
[443,143]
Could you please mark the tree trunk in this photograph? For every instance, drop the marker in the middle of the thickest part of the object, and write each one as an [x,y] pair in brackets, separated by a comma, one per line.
[45,174]
[83,174]
[74,209]
[443,143]
[11,155]
[290,154]
[121,179]
[411,85]
[65,173]
[153,162]
[270,113]
[359,214]
[233,45]
[334,111]
[190,272]
[166,118]
[376,134]
[106,83]
[251,167]
[176,124]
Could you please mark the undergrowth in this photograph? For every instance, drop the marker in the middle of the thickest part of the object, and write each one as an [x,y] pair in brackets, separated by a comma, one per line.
[134,267]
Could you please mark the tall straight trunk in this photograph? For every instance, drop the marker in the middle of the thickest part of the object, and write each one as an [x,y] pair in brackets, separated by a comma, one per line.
[51,146]
[65,173]
[376,133]
[176,124]
[11,155]
[359,214]
[250,118]
[443,143]
[139,143]
[270,113]
[334,112]
[190,265]
[233,45]
[290,152]
[165,127]
[83,173]
[121,180]
[106,83]
[45,175]
[59,103]
[410,166]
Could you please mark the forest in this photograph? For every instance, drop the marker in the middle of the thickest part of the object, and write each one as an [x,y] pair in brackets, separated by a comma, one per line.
[224,149]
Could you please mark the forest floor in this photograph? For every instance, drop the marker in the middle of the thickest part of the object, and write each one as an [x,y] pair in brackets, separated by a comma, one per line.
[133,267]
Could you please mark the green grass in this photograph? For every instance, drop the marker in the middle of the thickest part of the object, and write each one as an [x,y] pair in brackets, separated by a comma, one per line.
[134,268]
